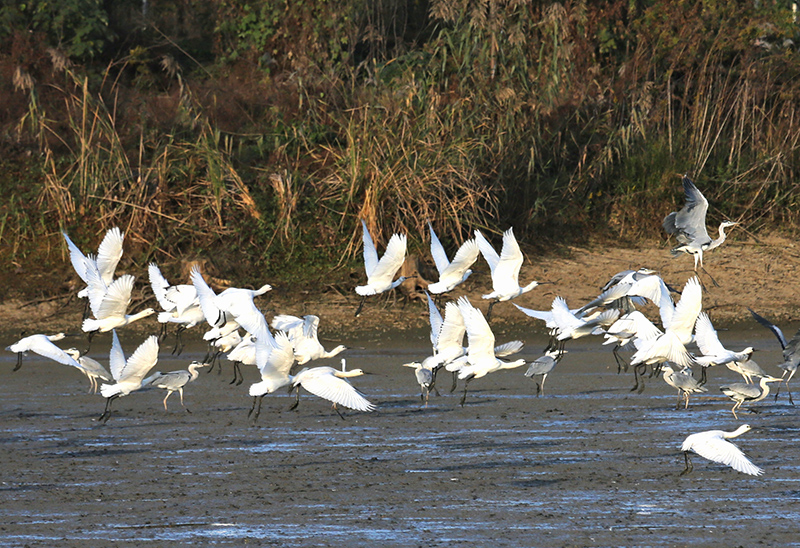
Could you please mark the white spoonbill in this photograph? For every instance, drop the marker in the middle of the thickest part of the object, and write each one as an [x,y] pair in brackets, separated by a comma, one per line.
[741,392]
[129,373]
[671,345]
[481,357]
[109,304]
[42,345]
[452,273]
[108,255]
[233,303]
[303,334]
[713,352]
[332,385]
[505,269]
[714,446]
[274,358]
[91,368]
[180,303]
[380,273]
[174,381]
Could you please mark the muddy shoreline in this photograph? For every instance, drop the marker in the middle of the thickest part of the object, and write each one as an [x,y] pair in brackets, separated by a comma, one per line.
[589,464]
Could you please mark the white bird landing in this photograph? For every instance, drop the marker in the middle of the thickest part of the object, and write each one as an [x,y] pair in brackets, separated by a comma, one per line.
[42,345]
[129,373]
[452,273]
[671,345]
[174,381]
[505,269]
[332,385]
[714,446]
[380,273]
[303,334]
[274,358]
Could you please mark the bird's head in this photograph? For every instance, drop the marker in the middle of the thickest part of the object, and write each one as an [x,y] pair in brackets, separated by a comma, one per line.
[726,224]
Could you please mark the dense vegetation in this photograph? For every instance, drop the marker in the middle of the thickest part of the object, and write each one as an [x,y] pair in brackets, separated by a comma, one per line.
[256,133]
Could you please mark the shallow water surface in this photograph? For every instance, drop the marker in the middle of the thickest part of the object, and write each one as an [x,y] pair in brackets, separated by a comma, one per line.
[589,464]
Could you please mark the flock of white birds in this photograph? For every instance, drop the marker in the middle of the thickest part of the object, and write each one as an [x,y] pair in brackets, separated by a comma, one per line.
[288,340]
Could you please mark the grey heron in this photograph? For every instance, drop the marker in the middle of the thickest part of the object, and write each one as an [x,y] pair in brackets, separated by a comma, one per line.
[791,351]
[741,392]
[91,368]
[689,226]
[543,365]
[174,381]
[683,381]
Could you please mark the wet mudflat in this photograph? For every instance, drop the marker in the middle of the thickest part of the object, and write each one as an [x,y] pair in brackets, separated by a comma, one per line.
[589,464]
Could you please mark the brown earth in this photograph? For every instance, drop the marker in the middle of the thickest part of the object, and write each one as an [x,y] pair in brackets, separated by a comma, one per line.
[763,275]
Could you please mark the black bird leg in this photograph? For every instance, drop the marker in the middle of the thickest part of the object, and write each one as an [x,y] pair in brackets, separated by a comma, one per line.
[360,306]
[296,400]
[107,411]
[464,396]
[19,361]
[689,465]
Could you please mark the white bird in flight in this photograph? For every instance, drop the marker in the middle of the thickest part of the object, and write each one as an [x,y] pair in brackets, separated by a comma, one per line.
[303,334]
[233,303]
[332,385]
[274,358]
[505,269]
[129,373]
[110,303]
[380,273]
[714,446]
[671,345]
[108,255]
[713,353]
[180,303]
[452,273]
[42,345]
[481,357]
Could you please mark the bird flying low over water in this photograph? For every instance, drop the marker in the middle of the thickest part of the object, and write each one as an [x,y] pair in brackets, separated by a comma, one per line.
[380,273]
[42,345]
[332,385]
[714,446]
